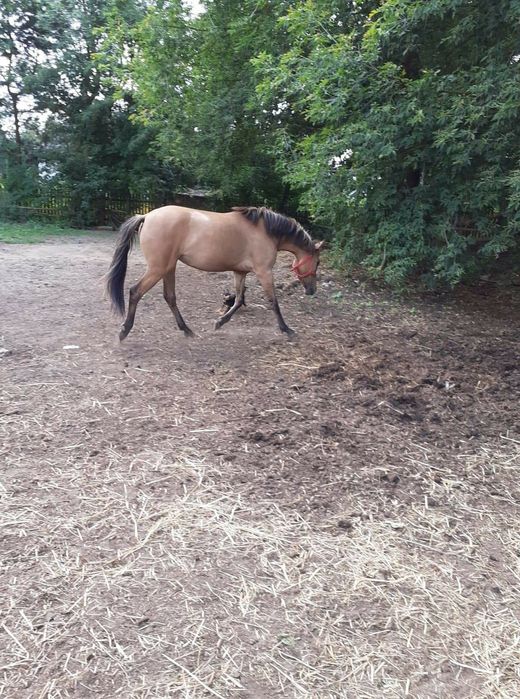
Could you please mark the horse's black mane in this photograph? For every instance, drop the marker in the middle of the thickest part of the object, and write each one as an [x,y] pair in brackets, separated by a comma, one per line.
[278,226]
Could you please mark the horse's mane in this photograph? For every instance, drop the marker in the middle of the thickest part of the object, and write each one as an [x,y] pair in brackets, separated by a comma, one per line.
[278,226]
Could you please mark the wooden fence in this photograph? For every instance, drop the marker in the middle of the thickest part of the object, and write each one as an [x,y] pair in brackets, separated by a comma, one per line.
[102,210]
[112,211]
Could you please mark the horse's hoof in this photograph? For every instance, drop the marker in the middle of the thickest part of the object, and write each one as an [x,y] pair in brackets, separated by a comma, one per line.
[218,324]
[290,333]
[122,334]
[188,333]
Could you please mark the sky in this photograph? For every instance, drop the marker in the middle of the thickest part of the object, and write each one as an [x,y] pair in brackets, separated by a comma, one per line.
[195,5]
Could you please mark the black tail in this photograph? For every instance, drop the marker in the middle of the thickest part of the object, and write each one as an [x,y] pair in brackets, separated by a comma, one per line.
[117,272]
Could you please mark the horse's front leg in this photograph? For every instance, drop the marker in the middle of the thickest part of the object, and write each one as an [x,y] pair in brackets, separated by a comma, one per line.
[171,300]
[240,287]
[266,280]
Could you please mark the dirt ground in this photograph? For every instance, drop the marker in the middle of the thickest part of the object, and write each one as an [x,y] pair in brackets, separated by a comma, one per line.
[238,515]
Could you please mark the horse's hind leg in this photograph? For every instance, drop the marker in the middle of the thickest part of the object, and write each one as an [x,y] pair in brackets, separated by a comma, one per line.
[147,281]
[240,288]
[171,300]
[229,299]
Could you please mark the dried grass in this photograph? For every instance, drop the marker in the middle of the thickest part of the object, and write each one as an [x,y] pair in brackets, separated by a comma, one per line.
[153,573]
[155,578]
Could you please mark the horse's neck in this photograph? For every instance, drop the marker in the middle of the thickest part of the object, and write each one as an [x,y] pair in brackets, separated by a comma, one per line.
[298,252]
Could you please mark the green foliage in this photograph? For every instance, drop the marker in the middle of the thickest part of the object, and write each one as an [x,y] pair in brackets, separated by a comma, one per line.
[198,91]
[85,139]
[394,124]
[413,119]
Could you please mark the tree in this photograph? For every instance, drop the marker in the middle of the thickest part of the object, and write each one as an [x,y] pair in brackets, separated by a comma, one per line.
[28,30]
[78,135]
[198,91]
[413,110]
[90,139]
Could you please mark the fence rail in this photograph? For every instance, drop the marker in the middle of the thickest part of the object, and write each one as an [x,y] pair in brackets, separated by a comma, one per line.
[102,210]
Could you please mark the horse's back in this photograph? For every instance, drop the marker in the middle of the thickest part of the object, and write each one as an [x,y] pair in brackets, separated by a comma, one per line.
[179,224]
[171,217]
[207,240]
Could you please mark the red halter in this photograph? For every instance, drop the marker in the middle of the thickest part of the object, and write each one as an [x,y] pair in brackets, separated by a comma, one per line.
[296,267]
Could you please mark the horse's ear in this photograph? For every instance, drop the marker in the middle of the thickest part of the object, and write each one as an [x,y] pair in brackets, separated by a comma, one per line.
[319,244]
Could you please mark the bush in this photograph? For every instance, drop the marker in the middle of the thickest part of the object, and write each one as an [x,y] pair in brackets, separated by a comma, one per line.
[411,147]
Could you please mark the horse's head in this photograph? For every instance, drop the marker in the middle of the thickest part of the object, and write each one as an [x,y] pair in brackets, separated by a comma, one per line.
[305,268]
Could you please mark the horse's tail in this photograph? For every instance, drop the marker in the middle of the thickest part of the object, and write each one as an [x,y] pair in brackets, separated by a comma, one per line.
[117,272]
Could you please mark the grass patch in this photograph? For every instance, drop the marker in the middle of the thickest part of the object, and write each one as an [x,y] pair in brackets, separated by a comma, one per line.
[34,231]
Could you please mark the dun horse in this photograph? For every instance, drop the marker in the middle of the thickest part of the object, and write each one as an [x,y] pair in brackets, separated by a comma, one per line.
[245,240]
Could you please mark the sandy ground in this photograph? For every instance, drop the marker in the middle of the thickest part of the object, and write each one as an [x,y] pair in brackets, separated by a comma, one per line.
[237,515]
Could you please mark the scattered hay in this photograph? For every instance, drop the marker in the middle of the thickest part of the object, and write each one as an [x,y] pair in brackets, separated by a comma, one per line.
[157,579]
[351,551]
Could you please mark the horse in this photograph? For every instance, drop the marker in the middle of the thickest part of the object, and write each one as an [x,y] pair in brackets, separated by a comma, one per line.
[246,239]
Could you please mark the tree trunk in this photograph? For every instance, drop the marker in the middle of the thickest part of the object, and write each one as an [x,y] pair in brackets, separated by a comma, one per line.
[16,116]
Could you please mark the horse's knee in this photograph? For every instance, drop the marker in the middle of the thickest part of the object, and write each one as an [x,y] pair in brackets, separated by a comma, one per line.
[134,293]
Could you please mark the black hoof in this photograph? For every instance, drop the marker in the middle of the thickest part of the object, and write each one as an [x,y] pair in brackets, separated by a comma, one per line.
[188,333]
[122,334]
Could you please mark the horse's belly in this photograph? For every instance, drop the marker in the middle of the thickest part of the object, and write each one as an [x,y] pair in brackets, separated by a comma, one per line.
[214,261]
[217,244]
[215,251]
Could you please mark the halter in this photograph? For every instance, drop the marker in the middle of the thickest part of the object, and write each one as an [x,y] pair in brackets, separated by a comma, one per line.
[296,267]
